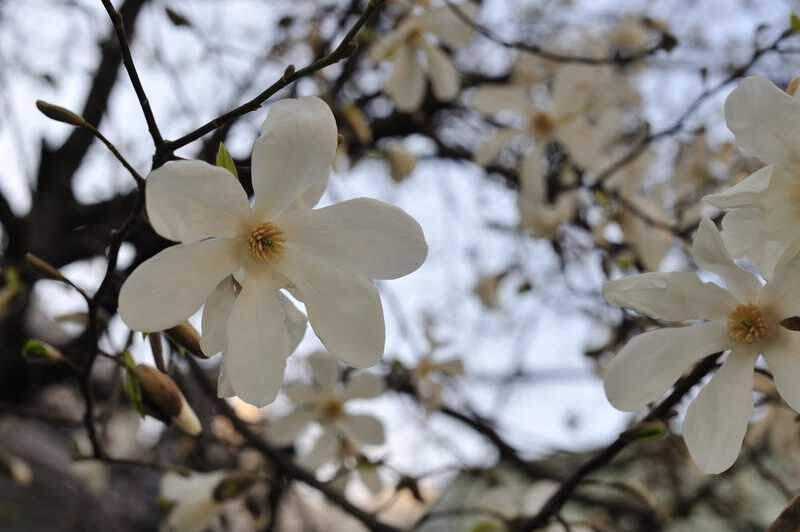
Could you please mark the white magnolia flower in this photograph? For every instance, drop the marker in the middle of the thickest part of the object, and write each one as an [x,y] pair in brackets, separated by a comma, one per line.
[325,403]
[742,318]
[584,114]
[327,257]
[413,48]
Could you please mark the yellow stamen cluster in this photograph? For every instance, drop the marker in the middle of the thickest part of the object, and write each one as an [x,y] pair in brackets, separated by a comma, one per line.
[746,324]
[416,38]
[331,409]
[541,125]
[266,242]
[791,89]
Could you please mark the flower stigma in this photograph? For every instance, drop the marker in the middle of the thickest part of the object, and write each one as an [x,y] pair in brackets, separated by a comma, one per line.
[746,324]
[266,242]
[541,124]
[331,409]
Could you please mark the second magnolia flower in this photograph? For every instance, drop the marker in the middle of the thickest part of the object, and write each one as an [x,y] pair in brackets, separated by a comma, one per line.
[326,257]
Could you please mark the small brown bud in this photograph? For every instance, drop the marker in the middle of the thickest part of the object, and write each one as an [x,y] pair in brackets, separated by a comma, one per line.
[164,399]
[60,114]
[186,336]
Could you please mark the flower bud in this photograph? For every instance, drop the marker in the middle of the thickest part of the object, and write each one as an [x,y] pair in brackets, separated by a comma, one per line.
[186,336]
[16,468]
[358,122]
[401,162]
[164,400]
[232,487]
[38,351]
[60,114]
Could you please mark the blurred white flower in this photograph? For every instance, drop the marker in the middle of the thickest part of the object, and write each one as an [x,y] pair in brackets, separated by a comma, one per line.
[744,317]
[325,403]
[426,377]
[327,257]
[414,50]
[584,113]
[195,506]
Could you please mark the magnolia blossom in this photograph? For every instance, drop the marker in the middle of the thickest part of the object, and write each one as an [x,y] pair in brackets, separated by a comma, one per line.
[413,48]
[325,403]
[326,257]
[743,319]
[584,114]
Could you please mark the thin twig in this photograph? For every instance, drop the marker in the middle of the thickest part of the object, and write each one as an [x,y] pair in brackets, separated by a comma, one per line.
[345,48]
[667,42]
[119,29]
[554,504]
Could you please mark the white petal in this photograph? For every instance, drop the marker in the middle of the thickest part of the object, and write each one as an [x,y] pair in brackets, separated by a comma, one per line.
[764,120]
[371,478]
[746,193]
[676,296]
[301,393]
[442,72]
[190,200]
[284,430]
[533,185]
[361,235]
[406,86]
[344,307]
[388,45]
[363,386]
[652,362]
[258,343]
[717,419]
[169,287]
[216,312]
[448,26]
[294,153]
[362,429]
[491,99]
[323,451]
[491,146]
[782,293]
[745,235]
[296,322]
[710,254]
[784,363]
[325,370]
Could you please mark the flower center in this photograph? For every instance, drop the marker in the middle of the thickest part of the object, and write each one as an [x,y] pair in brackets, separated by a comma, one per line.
[541,124]
[416,38]
[266,242]
[746,324]
[331,409]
